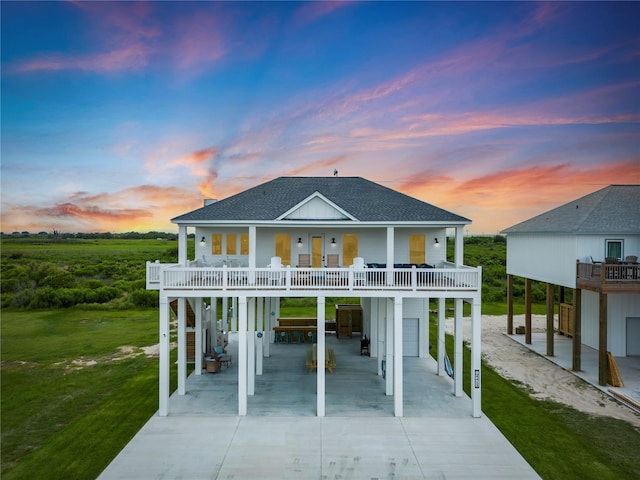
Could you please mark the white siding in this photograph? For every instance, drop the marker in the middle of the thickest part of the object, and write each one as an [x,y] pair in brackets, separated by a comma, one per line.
[619,308]
[593,246]
[546,258]
[317,209]
[590,314]
[410,337]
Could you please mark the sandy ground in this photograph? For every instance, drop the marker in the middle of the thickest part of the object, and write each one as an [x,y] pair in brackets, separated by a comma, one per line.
[545,379]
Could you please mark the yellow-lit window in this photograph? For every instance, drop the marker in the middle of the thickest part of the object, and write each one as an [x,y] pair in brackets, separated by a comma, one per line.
[349,248]
[231,244]
[416,249]
[283,247]
[216,244]
[244,244]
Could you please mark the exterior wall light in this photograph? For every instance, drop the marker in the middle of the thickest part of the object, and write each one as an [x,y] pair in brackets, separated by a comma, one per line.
[202,242]
[436,243]
[299,242]
[333,242]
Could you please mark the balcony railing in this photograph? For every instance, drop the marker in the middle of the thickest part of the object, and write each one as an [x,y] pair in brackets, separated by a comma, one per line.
[176,277]
[609,273]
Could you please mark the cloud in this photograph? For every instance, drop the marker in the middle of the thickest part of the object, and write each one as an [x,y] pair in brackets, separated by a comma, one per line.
[309,12]
[198,40]
[132,57]
[141,208]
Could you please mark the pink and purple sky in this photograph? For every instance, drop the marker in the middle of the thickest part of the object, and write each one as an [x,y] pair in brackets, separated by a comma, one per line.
[118,116]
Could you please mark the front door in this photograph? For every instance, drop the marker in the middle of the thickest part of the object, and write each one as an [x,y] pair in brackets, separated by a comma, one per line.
[316,252]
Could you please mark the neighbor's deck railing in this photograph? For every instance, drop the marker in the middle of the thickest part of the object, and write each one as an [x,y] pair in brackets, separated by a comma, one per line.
[609,273]
[176,277]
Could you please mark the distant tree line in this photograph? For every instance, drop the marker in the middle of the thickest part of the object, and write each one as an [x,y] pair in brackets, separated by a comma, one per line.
[98,235]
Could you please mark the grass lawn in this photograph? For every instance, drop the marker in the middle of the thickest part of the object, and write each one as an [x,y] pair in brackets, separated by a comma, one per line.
[63,419]
[558,441]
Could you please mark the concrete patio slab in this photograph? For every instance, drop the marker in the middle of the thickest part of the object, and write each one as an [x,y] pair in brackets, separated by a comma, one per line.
[282,438]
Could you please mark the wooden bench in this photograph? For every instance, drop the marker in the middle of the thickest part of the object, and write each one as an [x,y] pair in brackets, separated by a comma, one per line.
[312,359]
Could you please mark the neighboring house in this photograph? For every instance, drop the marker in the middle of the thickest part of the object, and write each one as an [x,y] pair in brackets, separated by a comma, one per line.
[591,245]
[317,237]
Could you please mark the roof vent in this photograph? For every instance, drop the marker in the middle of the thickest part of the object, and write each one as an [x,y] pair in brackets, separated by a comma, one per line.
[209,201]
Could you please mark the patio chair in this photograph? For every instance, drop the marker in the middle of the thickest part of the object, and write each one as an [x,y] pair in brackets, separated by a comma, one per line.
[359,275]
[304,260]
[275,276]
[333,260]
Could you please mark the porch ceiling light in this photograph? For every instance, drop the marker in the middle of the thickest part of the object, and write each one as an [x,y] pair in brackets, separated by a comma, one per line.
[202,242]
[299,242]
[333,242]
[436,243]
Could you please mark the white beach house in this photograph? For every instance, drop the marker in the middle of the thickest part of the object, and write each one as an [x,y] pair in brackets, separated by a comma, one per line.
[317,237]
[590,245]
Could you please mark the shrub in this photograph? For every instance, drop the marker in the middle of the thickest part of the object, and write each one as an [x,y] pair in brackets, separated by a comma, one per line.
[144,298]
[59,279]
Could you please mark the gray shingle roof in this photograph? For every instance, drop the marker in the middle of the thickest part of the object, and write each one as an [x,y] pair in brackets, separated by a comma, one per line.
[613,210]
[364,200]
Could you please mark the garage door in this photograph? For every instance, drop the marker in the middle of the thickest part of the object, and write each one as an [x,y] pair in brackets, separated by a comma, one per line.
[410,337]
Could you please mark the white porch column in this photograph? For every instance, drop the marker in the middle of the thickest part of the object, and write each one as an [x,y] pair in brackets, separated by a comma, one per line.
[251,347]
[373,332]
[476,372]
[182,346]
[224,315]
[252,255]
[242,357]
[321,342]
[259,344]
[234,314]
[441,346]
[213,317]
[163,394]
[198,353]
[390,250]
[457,348]
[268,328]
[382,325]
[260,314]
[397,357]
[459,246]
[182,245]
[389,347]
[423,329]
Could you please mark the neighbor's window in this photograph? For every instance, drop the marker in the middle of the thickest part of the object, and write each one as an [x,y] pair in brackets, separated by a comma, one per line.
[349,248]
[613,248]
[416,249]
[231,244]
[244,244]
[216,244]
[283,247]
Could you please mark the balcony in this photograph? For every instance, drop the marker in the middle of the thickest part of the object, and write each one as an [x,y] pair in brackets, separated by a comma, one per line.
[295,281]
[609,277]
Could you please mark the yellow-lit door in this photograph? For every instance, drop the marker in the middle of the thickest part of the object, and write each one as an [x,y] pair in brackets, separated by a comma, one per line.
[316,252]
[417,249]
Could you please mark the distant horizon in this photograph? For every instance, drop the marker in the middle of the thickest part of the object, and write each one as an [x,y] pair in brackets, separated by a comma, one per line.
[118,116]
